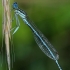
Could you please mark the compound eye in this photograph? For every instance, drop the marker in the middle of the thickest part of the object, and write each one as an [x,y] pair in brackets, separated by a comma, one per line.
[15,5]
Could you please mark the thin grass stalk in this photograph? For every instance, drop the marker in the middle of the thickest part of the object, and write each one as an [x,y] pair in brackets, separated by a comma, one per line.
[6,30]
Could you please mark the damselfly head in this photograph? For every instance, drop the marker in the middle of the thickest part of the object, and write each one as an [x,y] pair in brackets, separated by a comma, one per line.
[15,5]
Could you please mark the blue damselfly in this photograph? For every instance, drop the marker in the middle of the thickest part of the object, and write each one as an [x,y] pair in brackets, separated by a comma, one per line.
[40,39]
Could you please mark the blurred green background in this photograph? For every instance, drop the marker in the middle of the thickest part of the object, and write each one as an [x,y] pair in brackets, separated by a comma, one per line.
[52,17]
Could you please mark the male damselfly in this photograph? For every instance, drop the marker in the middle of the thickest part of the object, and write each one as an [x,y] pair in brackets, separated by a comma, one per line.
[40,39]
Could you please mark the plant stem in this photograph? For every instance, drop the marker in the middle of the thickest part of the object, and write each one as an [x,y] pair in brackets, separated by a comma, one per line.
[6,30]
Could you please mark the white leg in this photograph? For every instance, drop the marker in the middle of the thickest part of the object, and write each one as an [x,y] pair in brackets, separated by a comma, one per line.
[17,24]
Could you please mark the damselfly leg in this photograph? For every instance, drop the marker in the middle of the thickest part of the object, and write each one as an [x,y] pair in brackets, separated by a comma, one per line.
[17,25]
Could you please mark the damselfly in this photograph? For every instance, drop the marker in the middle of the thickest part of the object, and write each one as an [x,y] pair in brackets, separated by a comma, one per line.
[40,39]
